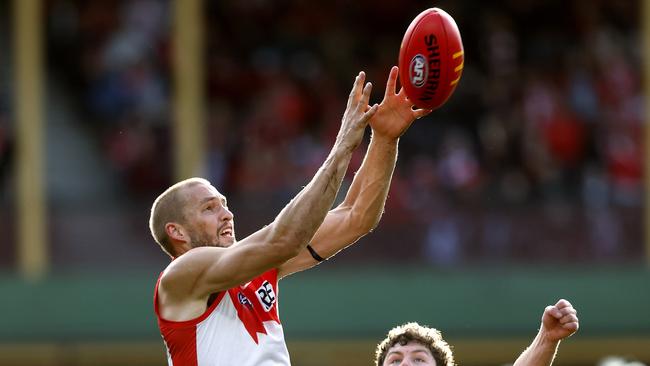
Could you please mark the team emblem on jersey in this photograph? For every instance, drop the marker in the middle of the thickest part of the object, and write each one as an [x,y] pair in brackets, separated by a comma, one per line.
[244,300]
[266,296]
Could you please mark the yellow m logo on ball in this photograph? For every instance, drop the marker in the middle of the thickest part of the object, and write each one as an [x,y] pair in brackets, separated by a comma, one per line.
[459,68]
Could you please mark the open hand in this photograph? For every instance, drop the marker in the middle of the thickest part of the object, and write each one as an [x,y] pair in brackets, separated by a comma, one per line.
[357,114]
[395,113]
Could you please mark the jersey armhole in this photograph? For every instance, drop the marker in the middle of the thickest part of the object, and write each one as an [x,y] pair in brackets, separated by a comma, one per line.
[184,323]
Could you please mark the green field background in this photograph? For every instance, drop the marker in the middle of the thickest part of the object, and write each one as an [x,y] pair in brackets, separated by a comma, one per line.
[341,313]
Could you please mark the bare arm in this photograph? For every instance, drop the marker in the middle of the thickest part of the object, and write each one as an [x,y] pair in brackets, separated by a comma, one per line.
[192,277]
[364,202]
[558,322]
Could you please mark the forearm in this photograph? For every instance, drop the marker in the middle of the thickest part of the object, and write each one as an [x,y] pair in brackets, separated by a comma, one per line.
[299,220]
[369,190]
[541,352]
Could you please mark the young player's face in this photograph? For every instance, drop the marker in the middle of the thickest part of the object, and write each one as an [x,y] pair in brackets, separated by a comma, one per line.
[411,354]
[210,222]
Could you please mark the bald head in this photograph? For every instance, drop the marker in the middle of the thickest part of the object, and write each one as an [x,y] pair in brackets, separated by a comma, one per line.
[170,207]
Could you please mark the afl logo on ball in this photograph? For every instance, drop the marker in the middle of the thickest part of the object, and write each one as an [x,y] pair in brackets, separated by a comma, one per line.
[418,71]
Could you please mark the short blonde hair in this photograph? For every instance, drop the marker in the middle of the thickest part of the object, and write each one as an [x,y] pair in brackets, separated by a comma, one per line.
[414,332]
[170,207]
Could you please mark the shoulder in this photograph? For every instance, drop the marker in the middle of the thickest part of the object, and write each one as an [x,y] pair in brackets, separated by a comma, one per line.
[178,296]
[182,273]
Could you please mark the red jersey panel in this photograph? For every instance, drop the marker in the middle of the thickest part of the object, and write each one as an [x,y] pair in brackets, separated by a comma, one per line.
[241,327]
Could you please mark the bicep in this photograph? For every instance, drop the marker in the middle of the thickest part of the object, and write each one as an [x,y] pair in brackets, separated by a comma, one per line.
[206,270]
[337,231]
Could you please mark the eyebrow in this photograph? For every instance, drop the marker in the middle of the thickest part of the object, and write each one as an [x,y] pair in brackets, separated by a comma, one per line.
[418,350]
[426,351]
[208,199]
[394,352]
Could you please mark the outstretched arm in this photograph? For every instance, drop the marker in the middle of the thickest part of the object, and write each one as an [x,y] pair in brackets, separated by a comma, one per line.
[364,202]
[201,271]
[559,321]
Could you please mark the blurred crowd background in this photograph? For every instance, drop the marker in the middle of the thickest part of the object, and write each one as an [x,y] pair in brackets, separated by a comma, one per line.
[536,158]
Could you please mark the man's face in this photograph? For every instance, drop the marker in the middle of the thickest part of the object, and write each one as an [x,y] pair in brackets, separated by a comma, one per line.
[209,222]
[411,354]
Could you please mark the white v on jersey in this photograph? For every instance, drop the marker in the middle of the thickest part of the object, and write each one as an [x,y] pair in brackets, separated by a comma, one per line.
[241,327]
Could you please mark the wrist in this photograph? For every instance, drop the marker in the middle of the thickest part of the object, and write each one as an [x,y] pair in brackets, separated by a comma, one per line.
[384,140]
[545,339]
[340,155]
[342,149]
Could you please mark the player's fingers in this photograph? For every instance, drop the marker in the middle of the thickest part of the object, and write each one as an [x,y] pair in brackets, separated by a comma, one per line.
[572,326]
[356,86]
[402,93]
[419,113]
[351,96]
[553,311]
[360,86]
[562,303]
[365,97]
[568,310]
[570,318]
[371,112]
[391,84]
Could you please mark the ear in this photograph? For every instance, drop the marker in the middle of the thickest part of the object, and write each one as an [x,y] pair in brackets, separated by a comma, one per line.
[176,232]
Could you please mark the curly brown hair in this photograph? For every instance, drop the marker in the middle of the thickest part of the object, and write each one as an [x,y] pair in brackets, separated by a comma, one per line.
[414,332]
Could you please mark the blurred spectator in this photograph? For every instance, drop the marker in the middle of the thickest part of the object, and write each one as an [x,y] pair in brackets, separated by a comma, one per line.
[618,361]
[542,135]
[120,50]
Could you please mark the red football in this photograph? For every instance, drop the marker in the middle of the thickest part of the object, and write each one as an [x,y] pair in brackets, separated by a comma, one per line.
[431,58]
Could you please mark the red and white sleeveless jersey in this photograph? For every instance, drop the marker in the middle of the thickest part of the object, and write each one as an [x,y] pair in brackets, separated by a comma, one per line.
[241,327]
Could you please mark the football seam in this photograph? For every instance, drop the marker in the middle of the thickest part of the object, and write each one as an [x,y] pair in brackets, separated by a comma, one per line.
[407,61]
[448,58]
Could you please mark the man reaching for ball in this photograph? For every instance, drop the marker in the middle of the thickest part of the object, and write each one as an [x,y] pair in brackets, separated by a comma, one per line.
[216,302]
